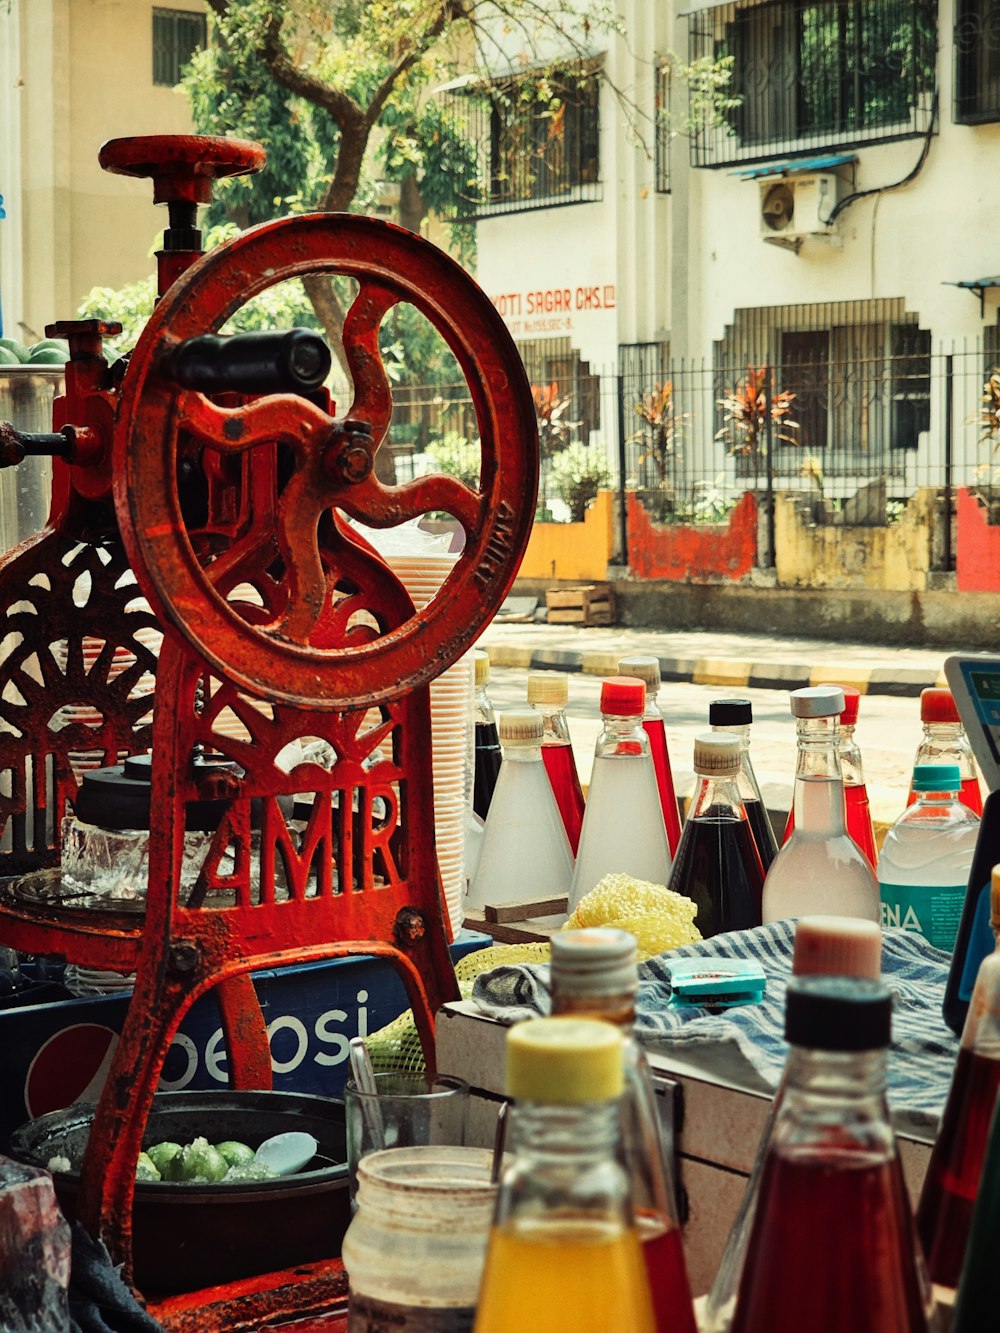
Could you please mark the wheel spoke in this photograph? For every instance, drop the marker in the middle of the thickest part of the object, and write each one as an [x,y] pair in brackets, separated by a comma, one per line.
[384,506]
[284,418]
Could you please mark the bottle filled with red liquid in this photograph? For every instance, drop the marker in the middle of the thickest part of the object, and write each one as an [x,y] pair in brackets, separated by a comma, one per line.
[487,754]
[735,716]
[951,1185]
[548,692]
[841,946]
[717,864]
[647,669]
[594,975]
[857,808]
[945,742]
[832,1248]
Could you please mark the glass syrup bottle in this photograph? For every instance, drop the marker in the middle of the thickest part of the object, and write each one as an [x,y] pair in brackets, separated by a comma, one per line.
[978,1296]
[594,975]
[488,755]
[735,716]
[623,830]
[525,852]
[945,742]
[820,869]
[859,817]
[717,864]
[952,1182]
[548,692]
[647,669]
[832,1247]
[839,946]
[563,1251]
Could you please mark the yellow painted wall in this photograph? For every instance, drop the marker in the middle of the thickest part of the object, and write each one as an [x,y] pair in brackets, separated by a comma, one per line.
[572,550]
[87,69]
[894,558]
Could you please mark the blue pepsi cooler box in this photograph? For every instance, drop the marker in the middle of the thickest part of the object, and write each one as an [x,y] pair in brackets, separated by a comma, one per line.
[58,1053]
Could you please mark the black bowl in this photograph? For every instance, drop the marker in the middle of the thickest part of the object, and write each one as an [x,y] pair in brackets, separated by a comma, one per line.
[185,1237]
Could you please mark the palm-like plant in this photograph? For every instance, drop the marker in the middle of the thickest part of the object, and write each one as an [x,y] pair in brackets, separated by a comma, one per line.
[554,430]
[663,426]
[745,410]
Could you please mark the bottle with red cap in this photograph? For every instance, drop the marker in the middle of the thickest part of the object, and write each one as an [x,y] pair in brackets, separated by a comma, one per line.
[859,815]
[945,742]
[623,830]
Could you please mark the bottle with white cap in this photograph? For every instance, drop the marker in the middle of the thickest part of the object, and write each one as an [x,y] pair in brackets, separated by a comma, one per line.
[832,946]
[594,975]
[647,669]
[820,869]
[548,692]
[525,852]
[717,864]
[623,831]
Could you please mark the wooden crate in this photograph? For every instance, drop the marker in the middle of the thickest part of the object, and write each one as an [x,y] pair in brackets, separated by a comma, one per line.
[588,604]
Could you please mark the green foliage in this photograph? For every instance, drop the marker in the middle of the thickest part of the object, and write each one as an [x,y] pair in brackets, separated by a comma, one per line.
[456,456]
[578,472]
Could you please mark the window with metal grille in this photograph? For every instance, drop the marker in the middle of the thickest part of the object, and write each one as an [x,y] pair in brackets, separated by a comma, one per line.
[177,34]
[536,141]
[811,73]
[977,61]
[662,127]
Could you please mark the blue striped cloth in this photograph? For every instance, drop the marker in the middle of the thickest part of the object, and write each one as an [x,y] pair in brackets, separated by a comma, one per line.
[923,1052]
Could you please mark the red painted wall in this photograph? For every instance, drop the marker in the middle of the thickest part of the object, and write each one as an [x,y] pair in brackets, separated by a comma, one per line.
[977,547]
[702,554]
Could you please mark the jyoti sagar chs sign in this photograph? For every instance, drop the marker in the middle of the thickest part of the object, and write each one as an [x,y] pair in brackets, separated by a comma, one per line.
[551,309]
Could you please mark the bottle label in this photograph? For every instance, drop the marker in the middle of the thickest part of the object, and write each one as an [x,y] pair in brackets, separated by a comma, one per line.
[931,912]
[366,1314]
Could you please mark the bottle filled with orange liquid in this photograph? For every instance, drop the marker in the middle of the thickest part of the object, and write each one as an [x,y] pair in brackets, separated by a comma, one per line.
[594,975]
[564,1254]
[945,742]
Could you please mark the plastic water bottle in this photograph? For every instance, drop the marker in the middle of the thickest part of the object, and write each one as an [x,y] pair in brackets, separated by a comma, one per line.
[647,669]
[945,742]
[623,830]
[736,715]
[548,692]
[924,865]
[821,869]
[525,852]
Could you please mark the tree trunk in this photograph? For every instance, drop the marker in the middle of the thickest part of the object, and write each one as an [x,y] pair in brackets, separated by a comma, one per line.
[411,203]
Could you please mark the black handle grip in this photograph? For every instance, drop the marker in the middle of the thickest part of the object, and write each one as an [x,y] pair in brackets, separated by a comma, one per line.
[290,361]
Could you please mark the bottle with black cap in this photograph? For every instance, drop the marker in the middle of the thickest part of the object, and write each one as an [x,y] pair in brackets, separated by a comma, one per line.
[832,1248]
[736,715]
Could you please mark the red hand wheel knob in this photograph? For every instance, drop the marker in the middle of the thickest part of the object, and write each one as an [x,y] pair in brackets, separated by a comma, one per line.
[181,166]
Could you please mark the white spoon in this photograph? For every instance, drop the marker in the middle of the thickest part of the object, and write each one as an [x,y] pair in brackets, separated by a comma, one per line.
[284,1154]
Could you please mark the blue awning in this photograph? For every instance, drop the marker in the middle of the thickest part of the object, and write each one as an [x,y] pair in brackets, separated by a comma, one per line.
[790,164]
[980,286]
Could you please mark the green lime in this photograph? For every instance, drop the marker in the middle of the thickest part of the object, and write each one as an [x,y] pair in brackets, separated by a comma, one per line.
[144,1168]
[234,1152]
[48,356]
[201,1161]
[60,344]
[7,357]
[12,345]
[163,1156]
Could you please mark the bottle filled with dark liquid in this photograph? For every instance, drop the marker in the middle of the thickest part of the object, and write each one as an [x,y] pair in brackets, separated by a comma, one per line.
[548,692]
[488,754]
[594,976]
[978,1297]
[718,865]
[951,1185]
[647,669]
[735,716]
[832,1248]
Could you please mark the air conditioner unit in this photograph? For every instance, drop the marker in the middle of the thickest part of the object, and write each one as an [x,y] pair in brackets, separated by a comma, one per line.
[793,208]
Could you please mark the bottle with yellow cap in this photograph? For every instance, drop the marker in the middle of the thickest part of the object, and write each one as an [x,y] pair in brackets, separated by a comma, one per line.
[952,1182]
[563,1252]
[548,692]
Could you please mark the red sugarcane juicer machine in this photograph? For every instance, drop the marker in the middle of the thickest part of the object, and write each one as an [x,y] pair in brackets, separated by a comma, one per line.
[205,486]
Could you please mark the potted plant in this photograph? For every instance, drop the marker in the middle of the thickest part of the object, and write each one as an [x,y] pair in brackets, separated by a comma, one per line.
[745,414]
[578,473]
[660,437]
